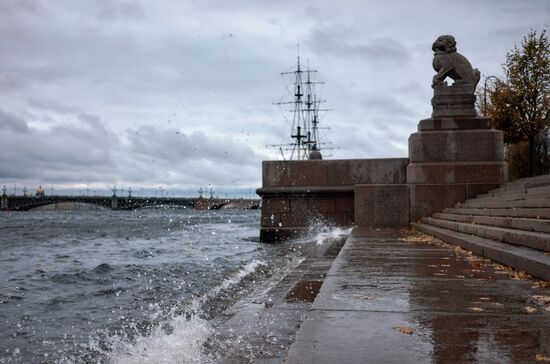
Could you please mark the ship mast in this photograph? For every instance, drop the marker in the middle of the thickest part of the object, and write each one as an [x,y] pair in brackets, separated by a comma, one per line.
[305,114]
[299,122]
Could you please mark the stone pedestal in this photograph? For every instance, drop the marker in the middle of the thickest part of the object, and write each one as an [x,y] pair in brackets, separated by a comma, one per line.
[454,101]
[455,155]
[453,158]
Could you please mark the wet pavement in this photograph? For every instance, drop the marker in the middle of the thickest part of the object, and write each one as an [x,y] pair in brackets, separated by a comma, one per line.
[261,327]
[400,297]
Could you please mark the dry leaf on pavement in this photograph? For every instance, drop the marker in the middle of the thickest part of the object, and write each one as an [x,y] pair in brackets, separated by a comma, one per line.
[367,298]
[541,299]
[404,330]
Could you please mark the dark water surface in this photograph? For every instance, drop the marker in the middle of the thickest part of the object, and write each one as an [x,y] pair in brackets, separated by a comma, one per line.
[123,286]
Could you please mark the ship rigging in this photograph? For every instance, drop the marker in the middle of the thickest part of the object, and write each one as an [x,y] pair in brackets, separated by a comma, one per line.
[303,115]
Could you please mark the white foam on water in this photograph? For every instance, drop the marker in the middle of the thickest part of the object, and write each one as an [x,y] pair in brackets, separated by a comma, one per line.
[184,341]
[182,345]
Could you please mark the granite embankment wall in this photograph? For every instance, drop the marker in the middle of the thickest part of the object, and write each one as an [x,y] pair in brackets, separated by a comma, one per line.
[450,160]
[297,193]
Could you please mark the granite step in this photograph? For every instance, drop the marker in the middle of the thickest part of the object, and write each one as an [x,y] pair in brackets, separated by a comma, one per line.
[524,190]
[532,261]
[512,196]
[518,223]
[535,213]
[533,240]
[531,202]
[524,183]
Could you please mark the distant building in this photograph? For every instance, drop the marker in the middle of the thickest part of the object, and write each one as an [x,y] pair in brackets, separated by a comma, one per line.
[40,192]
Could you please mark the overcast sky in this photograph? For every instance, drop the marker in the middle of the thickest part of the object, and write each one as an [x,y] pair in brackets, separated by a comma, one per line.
[179,93]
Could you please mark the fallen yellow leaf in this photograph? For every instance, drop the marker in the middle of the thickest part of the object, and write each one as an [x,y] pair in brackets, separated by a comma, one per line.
[475,309]
[541,284]
[530,309]
[542,299]
[404,330]
[367,298]
[542,358]
[520,275]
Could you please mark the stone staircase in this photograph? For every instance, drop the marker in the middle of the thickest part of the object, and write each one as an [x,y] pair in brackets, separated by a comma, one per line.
[510,225]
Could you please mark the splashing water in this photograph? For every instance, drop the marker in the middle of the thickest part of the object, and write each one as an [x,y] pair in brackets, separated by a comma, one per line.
[129,287]
[182,338]
[331,234]
[324,231]
[181,344]
[117,286]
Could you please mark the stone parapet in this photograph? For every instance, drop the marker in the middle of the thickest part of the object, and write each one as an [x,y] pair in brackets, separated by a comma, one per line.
[304,191]
[292,212]
[298,194]
[381,205]
[343,172]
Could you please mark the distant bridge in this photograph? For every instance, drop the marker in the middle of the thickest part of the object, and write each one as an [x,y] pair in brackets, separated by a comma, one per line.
[25,203]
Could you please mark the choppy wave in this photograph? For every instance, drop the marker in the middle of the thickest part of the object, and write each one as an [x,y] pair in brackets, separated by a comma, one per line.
[181,337]
[144,287]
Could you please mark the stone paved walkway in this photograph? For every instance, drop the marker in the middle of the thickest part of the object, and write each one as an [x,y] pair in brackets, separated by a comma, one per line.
[393,297]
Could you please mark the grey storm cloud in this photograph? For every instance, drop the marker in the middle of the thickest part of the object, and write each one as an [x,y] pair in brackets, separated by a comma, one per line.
[337,42]
[12,123]
[176,148]
[60,151]
[86,151]
[388,105]
[180,93]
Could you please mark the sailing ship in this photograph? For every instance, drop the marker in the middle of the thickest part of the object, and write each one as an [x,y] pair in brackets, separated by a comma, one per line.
[303,115]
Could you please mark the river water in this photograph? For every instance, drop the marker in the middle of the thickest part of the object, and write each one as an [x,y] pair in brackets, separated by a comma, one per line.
[124,286]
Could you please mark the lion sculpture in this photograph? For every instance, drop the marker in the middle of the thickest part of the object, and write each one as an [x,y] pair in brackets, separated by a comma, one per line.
[449,63]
